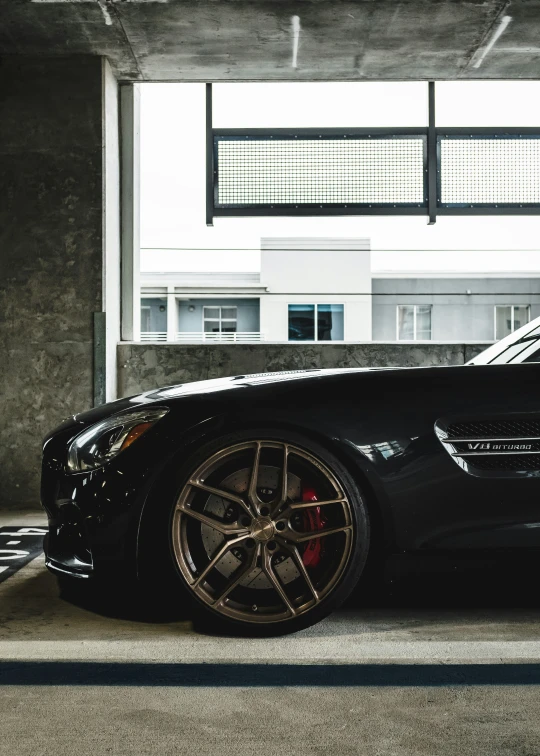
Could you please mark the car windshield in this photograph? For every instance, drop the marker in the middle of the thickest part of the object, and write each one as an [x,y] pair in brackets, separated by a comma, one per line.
[521,346]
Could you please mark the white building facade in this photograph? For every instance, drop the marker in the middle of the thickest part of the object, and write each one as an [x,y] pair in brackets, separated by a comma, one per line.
[307,290]
[323,289]
[316,289]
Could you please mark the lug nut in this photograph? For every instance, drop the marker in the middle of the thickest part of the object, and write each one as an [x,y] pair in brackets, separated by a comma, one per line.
[280,525]
[250,543]
[271,545]
[265,511]
[245,521]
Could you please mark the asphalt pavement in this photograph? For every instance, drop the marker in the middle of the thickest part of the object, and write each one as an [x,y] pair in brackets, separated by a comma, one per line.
[439,658]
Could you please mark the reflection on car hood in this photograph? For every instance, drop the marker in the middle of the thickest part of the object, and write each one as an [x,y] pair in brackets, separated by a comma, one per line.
[237,381]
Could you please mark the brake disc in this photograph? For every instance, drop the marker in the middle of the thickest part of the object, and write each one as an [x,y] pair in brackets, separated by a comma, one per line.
[268,482]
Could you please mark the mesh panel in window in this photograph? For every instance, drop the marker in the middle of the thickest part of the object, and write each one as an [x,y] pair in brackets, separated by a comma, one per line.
[329,171]
[484,171]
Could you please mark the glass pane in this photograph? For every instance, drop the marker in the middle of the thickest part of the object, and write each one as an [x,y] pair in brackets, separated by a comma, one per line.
[423,323]
[211,326]
[487,103]
[330,322]
[405,322]
[503,322]
[297,104]
[534,357]
[228,326]
[302,322]
[228,313]
[154,315]
[521,317]
[211,312]
[511,354]
[145,319]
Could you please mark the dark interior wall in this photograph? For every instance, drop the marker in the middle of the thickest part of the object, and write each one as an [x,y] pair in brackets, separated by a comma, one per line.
[51,252]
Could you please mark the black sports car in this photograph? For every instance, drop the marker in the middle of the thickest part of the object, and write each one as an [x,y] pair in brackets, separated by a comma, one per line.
[264,494]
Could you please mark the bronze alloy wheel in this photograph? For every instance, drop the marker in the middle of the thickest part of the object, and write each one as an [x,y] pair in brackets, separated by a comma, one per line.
[263,532]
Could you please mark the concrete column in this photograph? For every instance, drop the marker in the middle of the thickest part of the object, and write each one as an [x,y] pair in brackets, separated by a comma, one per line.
[111,226]
[130,180]
[58,246]
[172,314]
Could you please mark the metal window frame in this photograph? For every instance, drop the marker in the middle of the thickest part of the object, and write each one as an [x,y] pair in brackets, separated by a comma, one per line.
[316,306]
[432,178]
[334,304]
[220,319]
[512,317]
[314,208]
[315,329]
[415,331]
[478,208]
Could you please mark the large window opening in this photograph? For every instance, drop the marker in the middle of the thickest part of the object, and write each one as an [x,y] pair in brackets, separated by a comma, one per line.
[332,278]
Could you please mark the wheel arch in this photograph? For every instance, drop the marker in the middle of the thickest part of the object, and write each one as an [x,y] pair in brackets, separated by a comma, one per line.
[157,501]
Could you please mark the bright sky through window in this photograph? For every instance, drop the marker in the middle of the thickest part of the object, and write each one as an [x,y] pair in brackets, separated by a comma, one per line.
[173,179]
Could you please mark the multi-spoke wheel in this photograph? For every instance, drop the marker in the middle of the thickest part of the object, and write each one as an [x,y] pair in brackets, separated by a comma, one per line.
[267,533]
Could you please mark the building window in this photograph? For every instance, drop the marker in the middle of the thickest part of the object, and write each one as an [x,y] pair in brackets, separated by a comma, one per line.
[220,319]
[508,318]
[316,322]
[414,322]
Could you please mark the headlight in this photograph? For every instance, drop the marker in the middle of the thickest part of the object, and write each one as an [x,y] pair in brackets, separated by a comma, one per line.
[98,444]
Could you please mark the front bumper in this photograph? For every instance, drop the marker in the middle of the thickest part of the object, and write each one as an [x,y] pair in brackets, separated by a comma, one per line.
[93,517]
[95,526]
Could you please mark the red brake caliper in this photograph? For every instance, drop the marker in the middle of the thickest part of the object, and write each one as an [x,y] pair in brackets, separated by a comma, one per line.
[313,520]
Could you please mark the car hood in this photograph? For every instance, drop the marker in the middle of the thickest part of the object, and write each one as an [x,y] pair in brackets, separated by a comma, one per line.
[76,423]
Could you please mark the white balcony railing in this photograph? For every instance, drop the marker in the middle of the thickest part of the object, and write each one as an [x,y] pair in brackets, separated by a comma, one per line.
[153,336]
[240,337]
[200,337]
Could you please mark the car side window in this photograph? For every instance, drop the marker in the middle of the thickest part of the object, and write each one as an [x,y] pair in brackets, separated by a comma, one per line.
[511,354]
[534,357]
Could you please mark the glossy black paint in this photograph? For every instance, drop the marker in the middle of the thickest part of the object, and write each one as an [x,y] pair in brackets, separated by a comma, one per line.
[380,423]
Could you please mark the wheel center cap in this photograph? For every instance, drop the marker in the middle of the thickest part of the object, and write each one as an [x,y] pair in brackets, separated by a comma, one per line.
[262,529]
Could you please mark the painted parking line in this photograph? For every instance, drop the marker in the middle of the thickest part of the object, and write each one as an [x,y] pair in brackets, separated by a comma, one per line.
[18,546]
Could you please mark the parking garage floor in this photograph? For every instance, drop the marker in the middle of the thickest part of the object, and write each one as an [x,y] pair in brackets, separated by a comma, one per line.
[438,659]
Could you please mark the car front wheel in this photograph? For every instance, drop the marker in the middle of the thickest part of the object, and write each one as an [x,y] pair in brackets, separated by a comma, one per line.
[268,534]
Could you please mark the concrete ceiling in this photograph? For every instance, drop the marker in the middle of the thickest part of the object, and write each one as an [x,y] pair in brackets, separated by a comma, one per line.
[217,40]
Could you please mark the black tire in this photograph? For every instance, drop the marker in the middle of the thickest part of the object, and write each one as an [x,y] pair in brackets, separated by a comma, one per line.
[350,534]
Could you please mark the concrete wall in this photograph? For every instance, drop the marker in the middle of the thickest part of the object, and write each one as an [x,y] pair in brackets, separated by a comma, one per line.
[142,367]
[455,314]
[52,241]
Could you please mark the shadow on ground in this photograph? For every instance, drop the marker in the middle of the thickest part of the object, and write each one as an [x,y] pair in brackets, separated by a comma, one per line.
[445,584]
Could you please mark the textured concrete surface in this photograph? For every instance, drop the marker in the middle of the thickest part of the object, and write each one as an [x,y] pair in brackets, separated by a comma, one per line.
[146,366]
[204,40]
[51,250]
[440,659]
